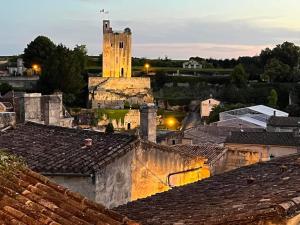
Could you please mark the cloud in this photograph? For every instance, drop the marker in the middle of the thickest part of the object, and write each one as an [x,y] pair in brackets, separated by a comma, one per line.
[177,38]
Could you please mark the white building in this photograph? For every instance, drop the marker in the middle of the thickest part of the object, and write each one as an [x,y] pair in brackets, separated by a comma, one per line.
[192,64]
[16,69]
[249,117]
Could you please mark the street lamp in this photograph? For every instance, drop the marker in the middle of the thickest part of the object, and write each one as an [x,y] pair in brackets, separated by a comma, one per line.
[147,66]
[35,68]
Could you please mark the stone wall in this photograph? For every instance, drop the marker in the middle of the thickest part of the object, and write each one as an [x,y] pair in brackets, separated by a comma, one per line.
[7,119]
[21,82]
[113,183]
[113,92]
[130,121]
[82,184]
[239,155]
[151,166]
[143,172]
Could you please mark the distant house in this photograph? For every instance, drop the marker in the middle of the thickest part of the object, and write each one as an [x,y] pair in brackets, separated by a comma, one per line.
[264,193]
[245,148]
[16,68]
[212,134]
[283,124]
[207,106]
[191,64]
[30,198]
[249,117]
[111,169]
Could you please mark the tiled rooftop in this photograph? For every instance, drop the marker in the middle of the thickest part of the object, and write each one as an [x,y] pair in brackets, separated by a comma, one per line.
[263,138]
[27,198]
[268,190]
[209,151]
[50,149]
[284,121]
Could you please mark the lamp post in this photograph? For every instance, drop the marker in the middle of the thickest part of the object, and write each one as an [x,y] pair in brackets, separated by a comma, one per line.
[147,66]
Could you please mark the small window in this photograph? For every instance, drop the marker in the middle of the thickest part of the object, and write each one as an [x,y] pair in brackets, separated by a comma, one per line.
[128,126]
[173,142]
[122,72]
[121,44]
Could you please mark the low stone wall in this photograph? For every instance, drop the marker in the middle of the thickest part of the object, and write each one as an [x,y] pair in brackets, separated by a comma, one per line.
[27,83]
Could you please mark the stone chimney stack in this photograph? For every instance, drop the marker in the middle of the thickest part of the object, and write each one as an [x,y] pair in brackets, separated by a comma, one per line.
[148,122]
[52,109]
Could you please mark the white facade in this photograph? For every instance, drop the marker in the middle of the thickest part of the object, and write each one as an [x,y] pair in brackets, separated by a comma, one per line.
[192,64]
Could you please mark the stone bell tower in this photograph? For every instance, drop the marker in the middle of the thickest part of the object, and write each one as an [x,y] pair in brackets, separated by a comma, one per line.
[116,52]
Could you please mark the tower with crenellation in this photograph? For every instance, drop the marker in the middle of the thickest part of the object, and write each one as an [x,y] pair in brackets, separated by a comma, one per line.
[116,52]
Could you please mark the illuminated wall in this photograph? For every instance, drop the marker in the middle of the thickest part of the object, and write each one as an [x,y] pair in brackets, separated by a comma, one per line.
[151,167]
[116,52]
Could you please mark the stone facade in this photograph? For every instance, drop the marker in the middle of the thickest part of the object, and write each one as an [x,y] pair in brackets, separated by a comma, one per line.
[144,172]
[47,109]
[116,52]
[239,155]
[114,92]
[131,121]
[7,119]
[84,185]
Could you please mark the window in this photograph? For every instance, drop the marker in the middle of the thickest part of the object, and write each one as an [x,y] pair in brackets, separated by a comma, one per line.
[121,44]
[122,72]
[173,142]
[128,126]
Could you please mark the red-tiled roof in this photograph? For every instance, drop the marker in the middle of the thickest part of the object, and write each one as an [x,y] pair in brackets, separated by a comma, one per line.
[249,195]
[27,198]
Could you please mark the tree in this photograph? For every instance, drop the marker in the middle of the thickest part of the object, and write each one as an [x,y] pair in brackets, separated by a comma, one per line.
[109,128]
[288,53]
[63,71]
[239,76]
[276,70]
[273,99]
[4,88]
[38,51]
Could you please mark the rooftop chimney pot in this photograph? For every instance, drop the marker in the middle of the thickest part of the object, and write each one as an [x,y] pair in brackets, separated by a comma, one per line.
[88,142]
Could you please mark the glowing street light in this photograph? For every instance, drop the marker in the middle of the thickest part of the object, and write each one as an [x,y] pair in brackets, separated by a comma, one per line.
[147,66]
[36,68]
[171,122]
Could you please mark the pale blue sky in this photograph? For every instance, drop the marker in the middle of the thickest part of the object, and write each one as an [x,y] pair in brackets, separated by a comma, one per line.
[174,28]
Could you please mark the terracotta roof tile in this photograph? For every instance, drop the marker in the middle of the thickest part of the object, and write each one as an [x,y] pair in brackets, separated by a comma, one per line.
[50,149]
[268,190]
[27,198]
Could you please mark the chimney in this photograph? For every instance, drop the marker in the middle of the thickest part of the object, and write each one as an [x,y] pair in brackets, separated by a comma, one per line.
[88,142]
[148,115]
[52,109]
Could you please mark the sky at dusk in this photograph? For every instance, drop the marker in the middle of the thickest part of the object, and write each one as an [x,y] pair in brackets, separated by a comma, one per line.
[174,28]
